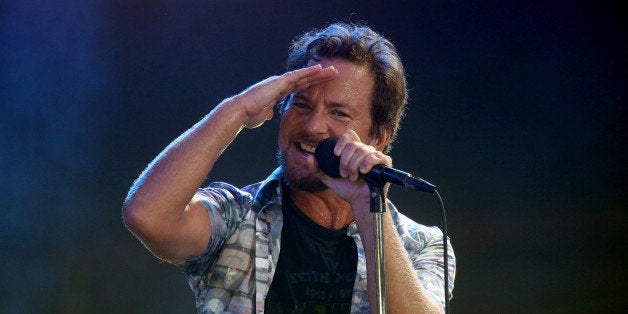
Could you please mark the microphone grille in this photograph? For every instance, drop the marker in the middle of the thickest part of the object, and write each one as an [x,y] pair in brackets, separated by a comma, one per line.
[327,161]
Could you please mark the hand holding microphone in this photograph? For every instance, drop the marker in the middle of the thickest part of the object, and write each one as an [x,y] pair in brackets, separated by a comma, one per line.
[329,163]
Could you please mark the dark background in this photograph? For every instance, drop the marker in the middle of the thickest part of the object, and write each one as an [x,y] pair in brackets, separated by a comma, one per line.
[517,112]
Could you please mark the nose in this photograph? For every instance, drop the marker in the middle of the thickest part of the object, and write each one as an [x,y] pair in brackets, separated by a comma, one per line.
[315,122]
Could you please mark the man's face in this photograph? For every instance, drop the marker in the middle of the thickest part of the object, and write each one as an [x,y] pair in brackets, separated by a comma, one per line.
[324,110]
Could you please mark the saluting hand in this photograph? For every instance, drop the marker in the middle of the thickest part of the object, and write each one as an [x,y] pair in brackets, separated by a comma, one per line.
[259,99]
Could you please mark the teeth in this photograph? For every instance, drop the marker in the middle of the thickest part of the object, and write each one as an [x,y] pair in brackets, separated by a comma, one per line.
[308,149]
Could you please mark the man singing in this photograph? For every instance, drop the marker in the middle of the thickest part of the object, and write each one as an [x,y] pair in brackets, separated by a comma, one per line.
[298,241]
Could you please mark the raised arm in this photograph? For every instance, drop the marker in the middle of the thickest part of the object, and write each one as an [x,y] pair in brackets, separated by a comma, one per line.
[160,208]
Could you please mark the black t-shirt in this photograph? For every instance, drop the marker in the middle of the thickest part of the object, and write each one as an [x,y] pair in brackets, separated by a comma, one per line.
[316,268]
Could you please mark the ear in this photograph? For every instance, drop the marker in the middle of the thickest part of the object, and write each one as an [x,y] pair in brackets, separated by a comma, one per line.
[381,142]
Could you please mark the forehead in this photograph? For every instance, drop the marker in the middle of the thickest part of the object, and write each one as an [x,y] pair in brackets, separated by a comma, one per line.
[353,85]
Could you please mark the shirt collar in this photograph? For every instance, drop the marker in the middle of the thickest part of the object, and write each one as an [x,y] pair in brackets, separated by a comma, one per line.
[269,191]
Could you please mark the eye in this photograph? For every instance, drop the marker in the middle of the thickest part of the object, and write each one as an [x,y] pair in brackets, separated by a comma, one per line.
[301,106]
[340,114]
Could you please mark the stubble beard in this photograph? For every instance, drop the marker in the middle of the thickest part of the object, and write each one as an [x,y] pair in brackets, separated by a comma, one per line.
[297,182]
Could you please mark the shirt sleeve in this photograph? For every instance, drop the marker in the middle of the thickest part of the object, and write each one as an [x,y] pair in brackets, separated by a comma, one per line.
[225,205]
[425,248]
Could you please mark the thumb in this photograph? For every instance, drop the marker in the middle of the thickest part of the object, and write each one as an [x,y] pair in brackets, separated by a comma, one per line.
[270,112]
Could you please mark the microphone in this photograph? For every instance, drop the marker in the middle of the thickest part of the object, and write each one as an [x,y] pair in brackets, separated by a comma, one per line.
[330,165]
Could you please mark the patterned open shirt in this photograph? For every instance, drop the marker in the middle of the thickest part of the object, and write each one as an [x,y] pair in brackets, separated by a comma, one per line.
[234,274]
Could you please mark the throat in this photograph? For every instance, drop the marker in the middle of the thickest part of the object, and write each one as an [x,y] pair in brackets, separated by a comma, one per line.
[330,213]
[329,219]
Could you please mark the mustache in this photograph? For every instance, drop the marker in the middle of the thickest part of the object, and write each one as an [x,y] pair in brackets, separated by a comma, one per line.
[307,138]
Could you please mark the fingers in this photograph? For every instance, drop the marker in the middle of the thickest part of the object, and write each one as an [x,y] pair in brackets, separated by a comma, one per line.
[357,157]
[274,88]
[297,80]
[258,100]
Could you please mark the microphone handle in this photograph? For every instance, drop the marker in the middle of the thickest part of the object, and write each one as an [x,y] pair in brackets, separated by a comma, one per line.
[400,178]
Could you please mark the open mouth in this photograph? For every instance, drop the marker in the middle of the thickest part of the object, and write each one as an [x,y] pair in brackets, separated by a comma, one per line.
[307,148]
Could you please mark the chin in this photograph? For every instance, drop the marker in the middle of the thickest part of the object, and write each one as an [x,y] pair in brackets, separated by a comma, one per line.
[297,178]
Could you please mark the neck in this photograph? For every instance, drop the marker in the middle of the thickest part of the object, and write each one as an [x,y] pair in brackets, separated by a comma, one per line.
[325,208]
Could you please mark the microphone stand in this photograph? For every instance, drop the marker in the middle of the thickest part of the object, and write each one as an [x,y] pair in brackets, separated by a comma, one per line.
[376,186]
[377,208]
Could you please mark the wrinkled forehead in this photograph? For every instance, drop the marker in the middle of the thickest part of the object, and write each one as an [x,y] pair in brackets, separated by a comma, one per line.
[354,83]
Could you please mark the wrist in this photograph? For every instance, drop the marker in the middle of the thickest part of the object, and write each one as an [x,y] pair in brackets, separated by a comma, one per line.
[362,213]
[362,204]
[233,111]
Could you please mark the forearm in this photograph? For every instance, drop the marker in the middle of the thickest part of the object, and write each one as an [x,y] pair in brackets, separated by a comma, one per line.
[404,292]
[162,192]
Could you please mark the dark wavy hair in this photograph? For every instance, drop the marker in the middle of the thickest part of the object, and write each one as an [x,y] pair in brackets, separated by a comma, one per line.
[359,44]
